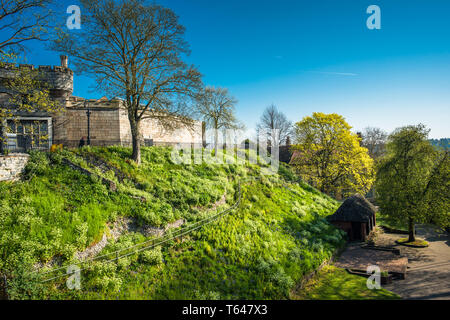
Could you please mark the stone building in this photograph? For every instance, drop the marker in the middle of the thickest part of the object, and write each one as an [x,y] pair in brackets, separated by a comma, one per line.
[104,122]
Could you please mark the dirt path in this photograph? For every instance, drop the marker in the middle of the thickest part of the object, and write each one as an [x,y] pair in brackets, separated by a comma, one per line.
[428,275]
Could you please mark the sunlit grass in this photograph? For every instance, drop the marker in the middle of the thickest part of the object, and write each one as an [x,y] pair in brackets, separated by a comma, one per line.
[259,251]
[333,283]
[418,243]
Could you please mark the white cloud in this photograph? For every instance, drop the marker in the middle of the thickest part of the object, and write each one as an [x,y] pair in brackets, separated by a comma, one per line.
[347,74]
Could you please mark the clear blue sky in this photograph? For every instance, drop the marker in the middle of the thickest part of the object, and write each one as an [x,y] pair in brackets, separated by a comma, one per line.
[318,55]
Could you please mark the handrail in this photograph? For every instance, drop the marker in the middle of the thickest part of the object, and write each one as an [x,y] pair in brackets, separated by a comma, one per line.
[154,242]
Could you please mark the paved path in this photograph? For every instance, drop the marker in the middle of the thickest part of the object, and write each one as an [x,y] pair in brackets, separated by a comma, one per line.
[428,275]
[356,258]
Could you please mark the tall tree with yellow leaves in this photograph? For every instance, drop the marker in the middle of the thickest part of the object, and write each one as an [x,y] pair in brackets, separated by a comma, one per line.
[329,156]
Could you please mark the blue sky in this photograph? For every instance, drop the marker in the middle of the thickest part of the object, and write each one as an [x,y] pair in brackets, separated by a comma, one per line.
[307,56]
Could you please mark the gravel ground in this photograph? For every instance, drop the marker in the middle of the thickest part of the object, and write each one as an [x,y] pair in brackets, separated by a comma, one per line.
[357,258]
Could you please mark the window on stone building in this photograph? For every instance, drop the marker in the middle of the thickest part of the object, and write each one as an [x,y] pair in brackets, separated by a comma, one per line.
[27,134]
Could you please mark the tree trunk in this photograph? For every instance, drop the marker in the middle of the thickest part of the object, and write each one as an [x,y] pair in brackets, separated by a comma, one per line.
[412,235]
[2,139]
[216,139]
[136,141]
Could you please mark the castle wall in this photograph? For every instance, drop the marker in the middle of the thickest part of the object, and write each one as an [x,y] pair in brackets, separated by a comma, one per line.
[109,124]
[59,79]
[152,129]
[72,124]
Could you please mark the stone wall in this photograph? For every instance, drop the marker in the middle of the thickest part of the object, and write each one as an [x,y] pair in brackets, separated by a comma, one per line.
[72,124]
[12,166]
[154,130]
[59,79]
[109,125]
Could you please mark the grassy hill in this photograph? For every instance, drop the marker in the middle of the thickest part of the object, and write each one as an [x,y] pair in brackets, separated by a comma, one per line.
[259,251]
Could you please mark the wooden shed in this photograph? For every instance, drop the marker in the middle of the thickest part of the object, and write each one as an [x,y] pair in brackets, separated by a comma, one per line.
[356,216]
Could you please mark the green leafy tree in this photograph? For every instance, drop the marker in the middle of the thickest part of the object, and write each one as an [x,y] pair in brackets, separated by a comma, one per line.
[412,182]
[329,156]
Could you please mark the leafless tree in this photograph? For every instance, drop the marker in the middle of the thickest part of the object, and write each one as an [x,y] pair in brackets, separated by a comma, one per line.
[374,139]
[135,52]
[22,21]
[217,108]
[272,119]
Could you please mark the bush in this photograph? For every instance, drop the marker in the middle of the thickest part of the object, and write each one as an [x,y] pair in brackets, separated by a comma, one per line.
[38,164]
[151,257]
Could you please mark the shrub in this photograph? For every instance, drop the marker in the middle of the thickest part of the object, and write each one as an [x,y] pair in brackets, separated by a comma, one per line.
[152,257]
[38,164]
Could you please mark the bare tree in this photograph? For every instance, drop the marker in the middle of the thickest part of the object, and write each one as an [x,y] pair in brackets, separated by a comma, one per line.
[374,139]
[22,89]
[217,108]
[135,51]
[22,21]
[272,119]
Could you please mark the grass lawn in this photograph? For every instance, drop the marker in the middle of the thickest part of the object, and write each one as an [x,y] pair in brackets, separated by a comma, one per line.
[385,221]
[333,283]
[418,243]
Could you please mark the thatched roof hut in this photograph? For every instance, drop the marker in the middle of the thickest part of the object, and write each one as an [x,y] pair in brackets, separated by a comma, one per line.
[356,208]
[356,216]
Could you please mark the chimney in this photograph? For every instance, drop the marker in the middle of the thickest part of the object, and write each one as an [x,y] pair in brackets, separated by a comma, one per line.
[64,61]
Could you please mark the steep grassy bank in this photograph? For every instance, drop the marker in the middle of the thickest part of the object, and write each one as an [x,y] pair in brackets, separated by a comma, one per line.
[259,251]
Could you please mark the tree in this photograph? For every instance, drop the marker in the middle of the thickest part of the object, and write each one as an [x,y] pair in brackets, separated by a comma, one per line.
[412,181]
[328,155]
[217,108]
[374,139]
[22,21]
[22,89]
[25,90]
[272,119]
[135,52]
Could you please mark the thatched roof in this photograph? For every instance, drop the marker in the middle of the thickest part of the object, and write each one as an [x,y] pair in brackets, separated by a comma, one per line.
[356,209]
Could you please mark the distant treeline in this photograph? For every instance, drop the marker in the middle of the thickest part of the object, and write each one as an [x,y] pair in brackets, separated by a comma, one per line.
[442,143]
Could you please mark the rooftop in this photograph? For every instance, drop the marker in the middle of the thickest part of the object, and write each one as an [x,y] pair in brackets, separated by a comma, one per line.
[355,209]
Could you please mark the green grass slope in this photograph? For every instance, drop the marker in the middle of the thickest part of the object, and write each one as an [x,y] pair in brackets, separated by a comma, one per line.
[259,251]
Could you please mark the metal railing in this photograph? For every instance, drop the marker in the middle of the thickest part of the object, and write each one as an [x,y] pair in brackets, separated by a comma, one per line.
[50,275]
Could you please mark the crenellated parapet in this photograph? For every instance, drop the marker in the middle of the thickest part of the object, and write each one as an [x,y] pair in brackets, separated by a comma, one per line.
[102,103]
[58,78]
